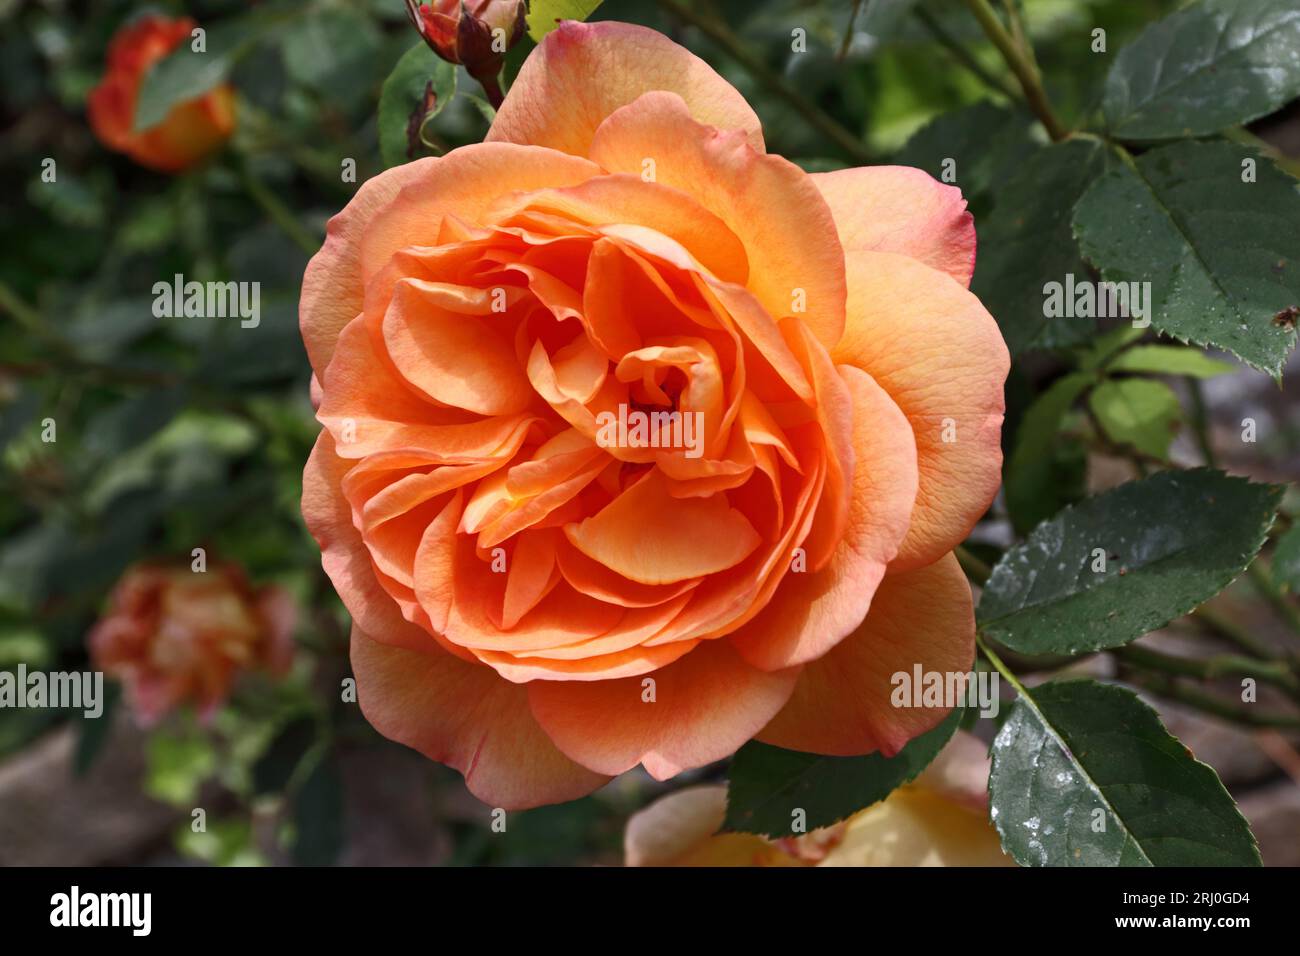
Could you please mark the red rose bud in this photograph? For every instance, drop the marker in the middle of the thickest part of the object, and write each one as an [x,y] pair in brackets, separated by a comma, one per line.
[475,33]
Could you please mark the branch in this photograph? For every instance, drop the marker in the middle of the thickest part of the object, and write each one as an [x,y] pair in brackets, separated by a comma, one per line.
[1022,64]
[816,117]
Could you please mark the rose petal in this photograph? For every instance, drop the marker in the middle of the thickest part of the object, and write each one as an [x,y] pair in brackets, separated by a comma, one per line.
[916,827]
[582,72]
[650,537]
[812,611]
[705,706]
[681,829]
[904,210]
[772,206]
[467,717]
[343,555]
[938,353]
[842,703]
[460,360]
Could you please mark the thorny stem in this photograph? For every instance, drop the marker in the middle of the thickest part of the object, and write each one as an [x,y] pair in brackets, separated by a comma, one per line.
[1209,668]
[1021,61]
[279,212]
[962,55]
[1268,590]
[1216,706]
[848,31]
[24,314]
[1229,631]
[814,115]
[975,569]
[1001,667]
[1259,576]
[1201,421]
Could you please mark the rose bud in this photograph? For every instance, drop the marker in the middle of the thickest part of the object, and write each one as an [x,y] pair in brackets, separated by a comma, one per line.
[190,132]
[175,636]
[476,33]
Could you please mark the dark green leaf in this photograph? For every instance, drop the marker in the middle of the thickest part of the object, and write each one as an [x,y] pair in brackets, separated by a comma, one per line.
[1084,774]
[986,144]
[333,52]
[92,732]
[129,422]
[767,784]
[318,816]
[272,771]
[1161,547]
[419,75]
[1038,470]
[182,75]
[1222,255]
[1137,412]
[1211,65]
[1026,243]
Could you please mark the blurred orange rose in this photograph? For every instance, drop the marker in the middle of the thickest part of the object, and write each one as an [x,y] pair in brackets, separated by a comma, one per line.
[174,636]
[191,130]
[940,819]
[548,584]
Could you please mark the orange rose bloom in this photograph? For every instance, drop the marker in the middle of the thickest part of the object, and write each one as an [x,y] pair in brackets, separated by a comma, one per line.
[190,132]
[939,819]
[175,636]
[542,600]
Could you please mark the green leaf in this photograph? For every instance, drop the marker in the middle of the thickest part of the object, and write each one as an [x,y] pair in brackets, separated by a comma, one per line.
[333,52]
[485,109]
[1286,560]
[1084,774]
[543,15]
[767,784]
[1034,472]
[882,18]
[420,73]
[1026,243]
[222,843]
[1211,65]
[1097,354]
[986,144]
[274,769]
[182,75]
[93,732]
[178,766]
[1161,546]
[1169,360]
[318,816]
[321,43]
[1137,412]
[1222,255]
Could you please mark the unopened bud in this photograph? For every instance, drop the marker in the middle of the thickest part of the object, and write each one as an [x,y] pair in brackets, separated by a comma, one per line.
[476,33]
